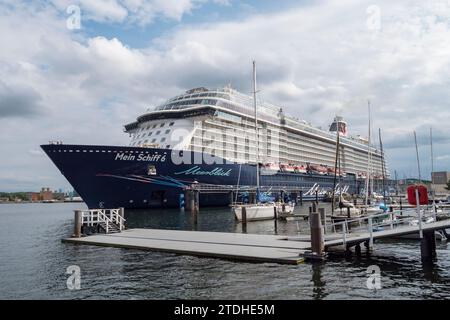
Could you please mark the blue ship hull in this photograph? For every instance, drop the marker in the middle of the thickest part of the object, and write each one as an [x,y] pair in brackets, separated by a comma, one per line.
[133,177]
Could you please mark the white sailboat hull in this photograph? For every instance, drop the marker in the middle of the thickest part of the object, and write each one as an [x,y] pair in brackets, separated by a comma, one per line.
[255,212]
[288,208]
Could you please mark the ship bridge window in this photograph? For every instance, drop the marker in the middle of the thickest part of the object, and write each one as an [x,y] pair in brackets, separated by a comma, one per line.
[150,133]
[162,125]
[163,139]
[167,131]
[209,101]
[171,124]
[153,140]
[154,126]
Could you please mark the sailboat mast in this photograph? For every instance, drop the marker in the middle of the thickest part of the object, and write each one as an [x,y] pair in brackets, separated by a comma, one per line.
[256,130]
[432,163]
[368,158]
[417,154]
[396,183]
[383,169]
[335,173]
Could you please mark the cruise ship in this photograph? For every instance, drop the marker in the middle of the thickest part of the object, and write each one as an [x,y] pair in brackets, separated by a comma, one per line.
[214,138]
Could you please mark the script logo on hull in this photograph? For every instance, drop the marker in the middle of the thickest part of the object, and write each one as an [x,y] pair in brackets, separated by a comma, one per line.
[197,171]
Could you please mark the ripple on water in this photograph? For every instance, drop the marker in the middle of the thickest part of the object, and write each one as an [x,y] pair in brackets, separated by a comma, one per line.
[34,262]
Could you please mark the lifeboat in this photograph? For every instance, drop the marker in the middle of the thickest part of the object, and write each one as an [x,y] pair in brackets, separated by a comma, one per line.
[362,175]
[287,168]
[318,169]
[340,173]
[270,168]
[300,169]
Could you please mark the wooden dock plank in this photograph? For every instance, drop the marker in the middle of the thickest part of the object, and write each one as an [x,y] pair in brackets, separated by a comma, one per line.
[243,239]
[247,247]
[237,246]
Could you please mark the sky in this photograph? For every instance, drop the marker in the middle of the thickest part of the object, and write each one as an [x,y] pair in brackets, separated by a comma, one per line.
[81,82]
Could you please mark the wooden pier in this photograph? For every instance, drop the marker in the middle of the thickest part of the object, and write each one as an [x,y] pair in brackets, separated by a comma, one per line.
[233,246]
[261,248]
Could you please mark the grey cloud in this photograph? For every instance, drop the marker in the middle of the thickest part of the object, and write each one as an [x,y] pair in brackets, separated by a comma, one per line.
[19,101]
[423,138]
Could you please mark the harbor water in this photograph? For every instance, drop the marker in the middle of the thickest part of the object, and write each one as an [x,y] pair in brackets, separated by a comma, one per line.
[33,263]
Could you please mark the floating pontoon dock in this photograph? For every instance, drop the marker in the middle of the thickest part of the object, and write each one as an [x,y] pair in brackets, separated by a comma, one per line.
[256,247]
[235,246]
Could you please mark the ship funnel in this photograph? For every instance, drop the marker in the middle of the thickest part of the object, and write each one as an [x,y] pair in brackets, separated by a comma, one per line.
[339,125]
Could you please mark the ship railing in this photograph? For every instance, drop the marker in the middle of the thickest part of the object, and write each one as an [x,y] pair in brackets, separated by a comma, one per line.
[112,218]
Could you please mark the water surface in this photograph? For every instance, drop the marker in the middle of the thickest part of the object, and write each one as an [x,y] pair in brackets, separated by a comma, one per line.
[33,263]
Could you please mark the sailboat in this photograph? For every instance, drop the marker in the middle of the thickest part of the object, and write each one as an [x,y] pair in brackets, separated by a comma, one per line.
[371,209]
[258,211]
[369,160]
[346,209]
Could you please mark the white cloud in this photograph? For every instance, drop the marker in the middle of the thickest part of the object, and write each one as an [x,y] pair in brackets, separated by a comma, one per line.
[141,12]
[223,2]
[104,10]
[315,61]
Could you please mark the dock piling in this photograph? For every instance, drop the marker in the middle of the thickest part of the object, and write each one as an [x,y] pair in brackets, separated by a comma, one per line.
[317,239]
[244,219]
[195,206]
[419,215]
[77,225]
[122,215]
[428,246]
[358,250]
[275,219]
[187,199]
[191,201]
[370,243]
[323,217]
